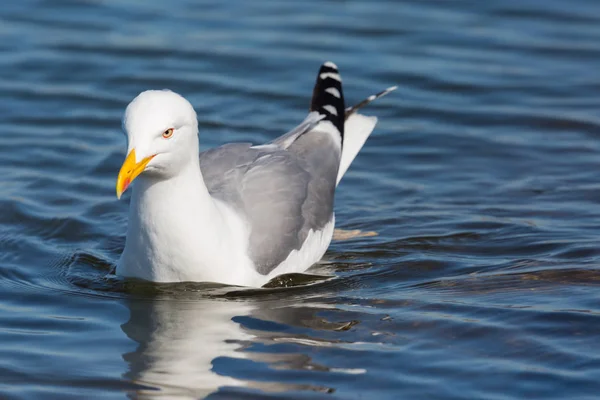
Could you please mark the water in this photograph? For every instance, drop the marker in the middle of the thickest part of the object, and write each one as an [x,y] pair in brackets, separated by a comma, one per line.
[481,181]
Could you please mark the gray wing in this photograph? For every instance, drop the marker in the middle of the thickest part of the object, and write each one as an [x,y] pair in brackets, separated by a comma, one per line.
[309,123]
[282,192]
[285,188]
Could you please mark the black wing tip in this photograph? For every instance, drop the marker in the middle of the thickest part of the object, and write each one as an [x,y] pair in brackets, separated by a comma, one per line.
[328,66]
[328,97]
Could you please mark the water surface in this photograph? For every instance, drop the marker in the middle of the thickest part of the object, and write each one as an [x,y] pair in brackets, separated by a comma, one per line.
[481,181]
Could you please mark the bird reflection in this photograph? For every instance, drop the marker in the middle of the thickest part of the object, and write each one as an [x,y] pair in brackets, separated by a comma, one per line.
[177,343]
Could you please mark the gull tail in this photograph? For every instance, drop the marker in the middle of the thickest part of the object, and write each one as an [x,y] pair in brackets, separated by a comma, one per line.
[357,128]
[328,97]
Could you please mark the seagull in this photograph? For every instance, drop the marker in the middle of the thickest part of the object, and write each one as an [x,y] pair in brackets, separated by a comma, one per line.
[239,214]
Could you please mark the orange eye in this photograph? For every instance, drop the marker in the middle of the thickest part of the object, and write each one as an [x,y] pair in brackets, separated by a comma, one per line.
[168,133]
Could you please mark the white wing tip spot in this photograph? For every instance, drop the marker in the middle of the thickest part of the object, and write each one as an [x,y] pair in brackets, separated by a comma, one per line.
[331,109]
[331,75]
[329,64]
[334,92]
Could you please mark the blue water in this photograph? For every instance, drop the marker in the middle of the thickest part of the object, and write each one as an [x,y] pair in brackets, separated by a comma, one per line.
[481,182]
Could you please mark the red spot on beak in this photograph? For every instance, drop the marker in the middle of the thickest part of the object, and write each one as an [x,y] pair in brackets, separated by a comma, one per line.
[126,184]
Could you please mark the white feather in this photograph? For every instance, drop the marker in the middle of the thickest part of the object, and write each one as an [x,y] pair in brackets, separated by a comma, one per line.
[357,129]
[312,250]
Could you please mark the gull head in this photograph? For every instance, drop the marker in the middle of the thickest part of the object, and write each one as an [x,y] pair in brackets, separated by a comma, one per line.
[162,136]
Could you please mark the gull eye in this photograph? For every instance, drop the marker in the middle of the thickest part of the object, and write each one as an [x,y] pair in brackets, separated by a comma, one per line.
[168,133]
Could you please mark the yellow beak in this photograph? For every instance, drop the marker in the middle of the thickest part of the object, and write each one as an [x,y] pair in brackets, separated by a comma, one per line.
[129,171]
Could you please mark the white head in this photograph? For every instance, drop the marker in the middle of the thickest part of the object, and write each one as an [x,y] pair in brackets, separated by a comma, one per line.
[162,136]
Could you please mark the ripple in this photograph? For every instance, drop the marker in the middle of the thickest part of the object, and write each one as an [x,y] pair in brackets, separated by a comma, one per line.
[480,181]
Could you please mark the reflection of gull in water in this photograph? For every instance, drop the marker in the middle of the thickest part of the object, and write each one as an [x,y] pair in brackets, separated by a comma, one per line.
[178,340]
[186,348]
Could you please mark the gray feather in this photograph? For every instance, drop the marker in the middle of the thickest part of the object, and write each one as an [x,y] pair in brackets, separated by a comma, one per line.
[309,123]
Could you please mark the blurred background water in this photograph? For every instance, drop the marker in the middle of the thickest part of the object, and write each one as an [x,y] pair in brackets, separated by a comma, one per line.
[481,180]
